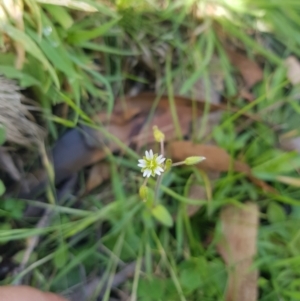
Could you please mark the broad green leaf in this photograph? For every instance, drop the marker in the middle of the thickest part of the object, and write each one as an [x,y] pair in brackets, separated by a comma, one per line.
[18,257]
[31,48]
[162,214]
[275,213]
[81,36]
[60,256]
[2,188]
[2,134]
[14,207]
[25,80]
[152,289]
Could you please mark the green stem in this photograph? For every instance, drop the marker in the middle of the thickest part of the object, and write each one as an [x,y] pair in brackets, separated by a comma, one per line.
[178,163]
[159,178]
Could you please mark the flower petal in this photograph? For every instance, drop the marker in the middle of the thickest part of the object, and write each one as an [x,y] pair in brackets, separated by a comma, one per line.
[160,159]
[143,164]
[151,154]
[149,172]
[145,173]
[147,155]
[159,168]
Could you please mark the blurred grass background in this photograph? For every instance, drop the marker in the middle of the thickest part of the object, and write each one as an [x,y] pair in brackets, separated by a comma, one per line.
[73,58]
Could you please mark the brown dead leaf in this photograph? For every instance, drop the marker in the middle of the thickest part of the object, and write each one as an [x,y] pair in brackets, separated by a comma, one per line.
[238,248]
[293,69]
[217,159]
[97,175]
[250,70]
[140,106]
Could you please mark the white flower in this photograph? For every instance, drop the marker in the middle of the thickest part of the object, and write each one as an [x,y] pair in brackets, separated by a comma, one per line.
[151,164]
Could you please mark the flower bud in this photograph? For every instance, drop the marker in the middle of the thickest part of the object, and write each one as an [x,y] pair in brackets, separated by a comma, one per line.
[158,135]
[193,160]
[168,164]
[143,192]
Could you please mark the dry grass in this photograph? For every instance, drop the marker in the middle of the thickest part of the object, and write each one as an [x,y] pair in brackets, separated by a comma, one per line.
[21,129]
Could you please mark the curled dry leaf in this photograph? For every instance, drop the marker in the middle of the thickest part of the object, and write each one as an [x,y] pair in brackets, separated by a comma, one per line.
[217,159]
[238,248]
[250,70]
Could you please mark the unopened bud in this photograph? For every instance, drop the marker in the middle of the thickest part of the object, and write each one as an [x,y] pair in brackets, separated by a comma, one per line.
[168,164]
[193,160]
[158,135]
[143,192]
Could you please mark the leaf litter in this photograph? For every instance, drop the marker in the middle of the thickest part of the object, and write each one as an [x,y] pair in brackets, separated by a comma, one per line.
[249,69]
[130,124]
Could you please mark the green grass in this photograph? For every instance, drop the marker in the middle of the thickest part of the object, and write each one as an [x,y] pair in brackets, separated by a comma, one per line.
[85,60]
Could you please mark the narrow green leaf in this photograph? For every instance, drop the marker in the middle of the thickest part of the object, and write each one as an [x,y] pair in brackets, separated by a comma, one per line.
[64,122]
[77,109]
[31,48]
[60,15]
[2,134]
[81,36]
[56,55]
[106,49]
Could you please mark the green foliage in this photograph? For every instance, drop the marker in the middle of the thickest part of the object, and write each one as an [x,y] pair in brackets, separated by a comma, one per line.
[13,208]
[275,213]
[60,256]
[84,55]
